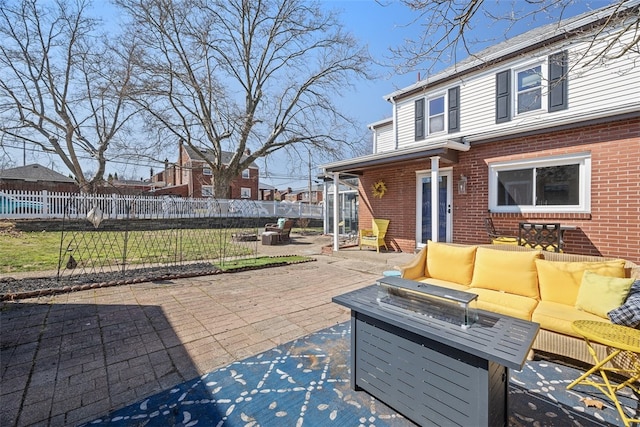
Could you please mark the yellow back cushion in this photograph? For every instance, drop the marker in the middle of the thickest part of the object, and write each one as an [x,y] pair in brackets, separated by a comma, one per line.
[450,263]
[560,281]
[508,271]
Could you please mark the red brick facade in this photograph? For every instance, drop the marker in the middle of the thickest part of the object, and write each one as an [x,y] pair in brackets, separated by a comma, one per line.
[611,229]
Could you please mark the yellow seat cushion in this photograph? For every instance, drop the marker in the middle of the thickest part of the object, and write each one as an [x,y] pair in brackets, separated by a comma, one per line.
[450,263]
[558,317]
[601,294]
[560,281]
[504,240]
[443,283]
[513,272]
[505,303]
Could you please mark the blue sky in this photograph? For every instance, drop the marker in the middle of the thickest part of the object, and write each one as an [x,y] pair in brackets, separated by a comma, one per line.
[379,27]
[384,24]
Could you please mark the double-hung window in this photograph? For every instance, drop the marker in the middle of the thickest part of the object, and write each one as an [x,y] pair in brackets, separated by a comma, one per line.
[554,184]
[529,89]
[206,171]
[437,113]
[207,191]
[246,174]
[540,87]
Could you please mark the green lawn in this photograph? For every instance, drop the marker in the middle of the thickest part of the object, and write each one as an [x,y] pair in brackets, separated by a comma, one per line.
[29,252]
[40,251]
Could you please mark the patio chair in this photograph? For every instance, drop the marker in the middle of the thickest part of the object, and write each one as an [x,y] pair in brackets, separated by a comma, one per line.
[283,231]
[498,238]
[540,236]
[374,236]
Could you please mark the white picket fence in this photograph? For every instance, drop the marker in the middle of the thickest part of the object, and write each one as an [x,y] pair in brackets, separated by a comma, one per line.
[45,204]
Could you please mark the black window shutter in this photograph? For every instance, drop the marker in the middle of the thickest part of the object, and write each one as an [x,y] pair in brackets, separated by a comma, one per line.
[419,119]
[558,92]
[454,109]
[503,96]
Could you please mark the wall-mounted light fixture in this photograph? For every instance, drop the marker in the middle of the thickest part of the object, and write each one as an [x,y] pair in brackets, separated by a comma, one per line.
[462,184]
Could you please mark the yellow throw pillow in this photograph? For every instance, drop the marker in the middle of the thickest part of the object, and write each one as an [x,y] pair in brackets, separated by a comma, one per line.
[560,281]
[600,294]
[509,271]
[450,263]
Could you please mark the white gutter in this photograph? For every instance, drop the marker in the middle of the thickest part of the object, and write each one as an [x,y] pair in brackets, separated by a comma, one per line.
[418,148]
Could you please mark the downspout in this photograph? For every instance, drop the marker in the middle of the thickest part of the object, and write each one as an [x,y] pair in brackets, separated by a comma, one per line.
[395,123]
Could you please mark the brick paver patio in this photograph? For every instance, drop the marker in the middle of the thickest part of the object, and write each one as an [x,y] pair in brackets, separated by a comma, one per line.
[71,358]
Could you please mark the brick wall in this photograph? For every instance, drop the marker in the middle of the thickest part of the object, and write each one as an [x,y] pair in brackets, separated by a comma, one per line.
[611,229]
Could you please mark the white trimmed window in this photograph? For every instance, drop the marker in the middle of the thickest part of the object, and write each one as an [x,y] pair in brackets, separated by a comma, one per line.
[559,184]
[245,193]
[206,171]
[246,174]
[529,89]
[436,114]
[207,191]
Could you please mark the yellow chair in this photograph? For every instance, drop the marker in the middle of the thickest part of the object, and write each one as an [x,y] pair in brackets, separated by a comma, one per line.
[497,238]
[374,236]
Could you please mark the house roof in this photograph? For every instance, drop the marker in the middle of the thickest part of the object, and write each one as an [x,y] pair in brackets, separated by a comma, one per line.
[263,186]
[34,173]
[210,155]
[446,149]
[517,45]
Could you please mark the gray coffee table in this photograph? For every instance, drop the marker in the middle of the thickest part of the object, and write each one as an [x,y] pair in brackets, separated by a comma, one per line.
[431,371]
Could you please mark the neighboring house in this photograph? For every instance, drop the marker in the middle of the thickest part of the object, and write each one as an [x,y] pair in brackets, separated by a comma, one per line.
[192,176]
[36,177]
[131,186]
[266,192]
[304,196]
[532,129]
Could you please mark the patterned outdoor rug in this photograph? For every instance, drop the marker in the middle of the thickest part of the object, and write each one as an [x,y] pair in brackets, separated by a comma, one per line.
[306,382]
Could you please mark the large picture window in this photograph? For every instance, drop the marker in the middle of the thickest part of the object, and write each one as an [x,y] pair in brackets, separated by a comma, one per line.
[558,184]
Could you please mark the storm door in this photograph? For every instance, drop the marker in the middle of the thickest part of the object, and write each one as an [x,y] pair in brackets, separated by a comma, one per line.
[424,211]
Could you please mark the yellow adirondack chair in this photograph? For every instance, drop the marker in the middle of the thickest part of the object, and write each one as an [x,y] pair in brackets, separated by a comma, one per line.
[374,236]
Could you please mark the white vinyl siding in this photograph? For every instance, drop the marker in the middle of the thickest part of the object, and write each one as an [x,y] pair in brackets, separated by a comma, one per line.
[593,91]
[406,122]
[383,139]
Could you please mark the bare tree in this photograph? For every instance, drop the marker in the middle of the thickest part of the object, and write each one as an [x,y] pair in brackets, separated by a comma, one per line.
[249,77]
[449,29]
[62,87]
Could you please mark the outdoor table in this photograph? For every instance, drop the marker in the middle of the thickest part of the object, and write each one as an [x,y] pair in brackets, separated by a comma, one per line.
[619,338]
[432,371]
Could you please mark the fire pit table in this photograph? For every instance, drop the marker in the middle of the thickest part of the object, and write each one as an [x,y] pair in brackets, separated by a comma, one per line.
[425,351]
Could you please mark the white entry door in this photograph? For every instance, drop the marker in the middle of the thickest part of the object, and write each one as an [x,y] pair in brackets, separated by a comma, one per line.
[424,218]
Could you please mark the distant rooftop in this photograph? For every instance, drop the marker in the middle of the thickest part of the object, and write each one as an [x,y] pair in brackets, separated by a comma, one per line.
[34,173]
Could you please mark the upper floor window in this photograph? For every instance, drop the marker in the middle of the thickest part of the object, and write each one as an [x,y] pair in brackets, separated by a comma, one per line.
[554,184]
[534,88]
[438,113]
[206,171]
[529,89]
[246,174]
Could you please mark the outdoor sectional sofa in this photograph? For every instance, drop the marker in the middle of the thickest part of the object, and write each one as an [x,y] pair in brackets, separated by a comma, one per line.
[543,287]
